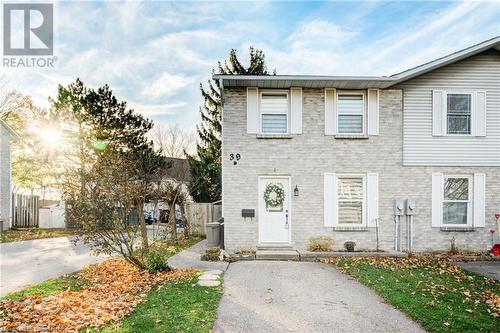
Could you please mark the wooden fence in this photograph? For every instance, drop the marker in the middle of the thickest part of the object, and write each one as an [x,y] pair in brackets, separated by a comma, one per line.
[199,214]
[25,211]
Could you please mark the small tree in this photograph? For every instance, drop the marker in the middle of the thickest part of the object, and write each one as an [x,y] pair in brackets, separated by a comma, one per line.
[206,185]
[103,212]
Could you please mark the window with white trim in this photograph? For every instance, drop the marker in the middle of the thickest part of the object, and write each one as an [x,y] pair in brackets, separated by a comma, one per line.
[458,113]
[457,203]
[351,112]
[351,199]
[274,111]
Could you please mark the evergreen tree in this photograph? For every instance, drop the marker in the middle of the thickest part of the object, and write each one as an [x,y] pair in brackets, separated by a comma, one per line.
[205,166]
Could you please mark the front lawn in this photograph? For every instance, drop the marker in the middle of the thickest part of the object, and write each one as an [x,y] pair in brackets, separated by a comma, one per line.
[182,306]
[435,293]
[115,296]
[36,233]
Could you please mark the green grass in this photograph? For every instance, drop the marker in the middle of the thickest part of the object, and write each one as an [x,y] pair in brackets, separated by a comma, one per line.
[181,306]
[36,233]
[439,300]
[49,287]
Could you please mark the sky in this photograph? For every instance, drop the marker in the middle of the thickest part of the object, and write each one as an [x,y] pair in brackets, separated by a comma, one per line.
[155,54]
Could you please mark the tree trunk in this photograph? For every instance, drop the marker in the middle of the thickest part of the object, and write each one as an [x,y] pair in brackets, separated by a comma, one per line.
[144,231]
[173,223]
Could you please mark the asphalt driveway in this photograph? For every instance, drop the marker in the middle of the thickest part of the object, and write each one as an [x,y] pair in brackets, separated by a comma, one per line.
[267,296]
[33,261]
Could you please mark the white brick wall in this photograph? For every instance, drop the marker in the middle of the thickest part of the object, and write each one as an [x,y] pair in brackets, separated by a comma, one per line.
[308,156]
[5,177]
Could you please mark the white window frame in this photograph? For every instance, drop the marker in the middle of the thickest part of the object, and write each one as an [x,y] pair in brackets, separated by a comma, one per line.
[364,218]
[275,92]
[352,93]
[445,107]
[469,202]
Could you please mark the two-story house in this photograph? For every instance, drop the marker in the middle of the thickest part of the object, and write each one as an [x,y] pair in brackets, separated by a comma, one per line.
[305,156]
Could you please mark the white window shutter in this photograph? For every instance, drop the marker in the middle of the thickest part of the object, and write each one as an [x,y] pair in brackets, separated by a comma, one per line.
[437,199]
[438,112]
[372,199]
[252,110]
[330,111]
[479,113]
[330,200]
[373,111]
[479,199]
[296,110]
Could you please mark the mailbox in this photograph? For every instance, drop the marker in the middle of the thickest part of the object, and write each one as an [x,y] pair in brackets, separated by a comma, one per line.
[248,213]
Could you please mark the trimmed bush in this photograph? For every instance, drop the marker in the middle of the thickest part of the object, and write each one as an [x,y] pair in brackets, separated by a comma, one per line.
[157,260]
[321,244]
[349,246]
[211,254]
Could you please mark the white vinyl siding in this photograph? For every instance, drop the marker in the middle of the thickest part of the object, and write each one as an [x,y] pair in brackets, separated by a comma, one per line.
[274,113]
[422,145]
[350,113]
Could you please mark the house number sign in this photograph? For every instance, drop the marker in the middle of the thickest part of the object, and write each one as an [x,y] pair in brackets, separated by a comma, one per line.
[235,157]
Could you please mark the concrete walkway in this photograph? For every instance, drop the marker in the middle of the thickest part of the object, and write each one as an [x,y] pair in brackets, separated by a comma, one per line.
[190,258]
[489,269]
[33,261]
[266,296]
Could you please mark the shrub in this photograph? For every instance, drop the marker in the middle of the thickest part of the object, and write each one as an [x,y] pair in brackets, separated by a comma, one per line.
[321,244]
[349,246]
[245,250]
[157,259]
[211,254]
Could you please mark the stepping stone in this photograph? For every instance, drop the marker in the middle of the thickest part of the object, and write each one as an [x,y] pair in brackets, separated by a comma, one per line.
[208,277]
[213,272]
[209,283]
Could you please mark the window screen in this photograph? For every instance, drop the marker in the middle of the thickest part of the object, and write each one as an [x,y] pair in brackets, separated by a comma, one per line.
[458,113]
[455,200]
[350,114]
[350,196]
[274,110]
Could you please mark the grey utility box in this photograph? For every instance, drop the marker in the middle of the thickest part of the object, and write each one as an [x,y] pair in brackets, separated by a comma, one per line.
[212,230]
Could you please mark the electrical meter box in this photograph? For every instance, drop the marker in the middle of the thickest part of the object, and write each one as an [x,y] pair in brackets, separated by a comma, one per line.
[410,206]
[398,207]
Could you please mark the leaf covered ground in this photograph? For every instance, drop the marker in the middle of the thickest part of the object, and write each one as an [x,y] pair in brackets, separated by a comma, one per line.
[434,292]
[111,291]
[36,233]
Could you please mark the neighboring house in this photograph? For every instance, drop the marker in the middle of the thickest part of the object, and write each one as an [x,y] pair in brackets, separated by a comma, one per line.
[7,134]
[323,155]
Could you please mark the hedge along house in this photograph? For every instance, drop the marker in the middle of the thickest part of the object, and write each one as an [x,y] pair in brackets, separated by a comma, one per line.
[7,134]
[305,156]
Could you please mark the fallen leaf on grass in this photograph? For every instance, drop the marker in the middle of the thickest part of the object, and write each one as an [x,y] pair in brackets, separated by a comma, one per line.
[115,288]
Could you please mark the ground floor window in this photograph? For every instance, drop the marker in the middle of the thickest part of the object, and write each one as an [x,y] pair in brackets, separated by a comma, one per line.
[351,199]
[457,200]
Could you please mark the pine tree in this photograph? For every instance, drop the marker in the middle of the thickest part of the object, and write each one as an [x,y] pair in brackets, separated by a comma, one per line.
[205,166]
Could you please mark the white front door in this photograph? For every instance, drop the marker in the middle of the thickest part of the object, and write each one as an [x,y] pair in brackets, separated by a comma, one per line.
[274,209]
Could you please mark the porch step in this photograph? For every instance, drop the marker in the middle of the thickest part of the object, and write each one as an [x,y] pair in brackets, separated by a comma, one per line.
[277,254]
[272,247]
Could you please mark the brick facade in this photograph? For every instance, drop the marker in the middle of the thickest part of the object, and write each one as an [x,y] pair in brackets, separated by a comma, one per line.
[306,157]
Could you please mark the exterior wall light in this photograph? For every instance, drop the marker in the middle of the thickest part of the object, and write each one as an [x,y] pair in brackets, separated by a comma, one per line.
[296,191]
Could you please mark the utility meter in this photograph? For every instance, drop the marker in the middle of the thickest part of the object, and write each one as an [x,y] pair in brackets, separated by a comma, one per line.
[398,207]
[410,206]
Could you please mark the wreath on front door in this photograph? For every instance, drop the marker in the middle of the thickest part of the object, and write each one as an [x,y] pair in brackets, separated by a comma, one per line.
[274,196]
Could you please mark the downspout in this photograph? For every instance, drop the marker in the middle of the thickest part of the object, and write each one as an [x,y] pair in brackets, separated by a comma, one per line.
[221,221]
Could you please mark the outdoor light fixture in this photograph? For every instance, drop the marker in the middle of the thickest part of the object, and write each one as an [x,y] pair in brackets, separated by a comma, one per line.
[296,191]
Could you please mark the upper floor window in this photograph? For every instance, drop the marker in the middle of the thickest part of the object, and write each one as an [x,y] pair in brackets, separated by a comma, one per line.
[350,113]
[458,113]
[457,200]
[274,111]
